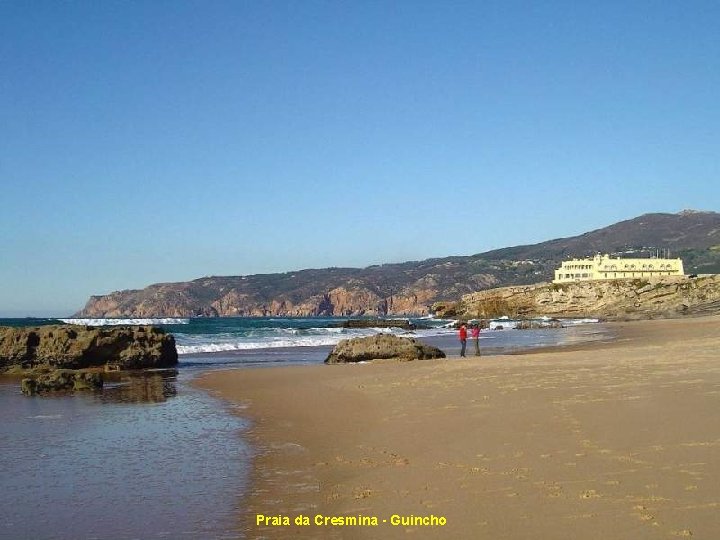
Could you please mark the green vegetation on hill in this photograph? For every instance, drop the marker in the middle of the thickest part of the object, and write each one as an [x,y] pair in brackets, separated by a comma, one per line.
[701,261]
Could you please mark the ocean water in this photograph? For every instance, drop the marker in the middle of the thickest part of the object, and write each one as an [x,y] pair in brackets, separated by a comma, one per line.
[219,342]
[213,335]
[150,456]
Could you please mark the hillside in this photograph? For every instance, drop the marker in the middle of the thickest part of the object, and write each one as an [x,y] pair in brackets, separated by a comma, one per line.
[410,288]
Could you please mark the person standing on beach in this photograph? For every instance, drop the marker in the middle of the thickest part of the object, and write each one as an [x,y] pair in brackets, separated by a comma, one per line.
[462,334]
[475,335]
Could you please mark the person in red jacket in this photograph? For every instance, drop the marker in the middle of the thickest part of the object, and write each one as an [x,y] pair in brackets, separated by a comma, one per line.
[462,334]
[475,336]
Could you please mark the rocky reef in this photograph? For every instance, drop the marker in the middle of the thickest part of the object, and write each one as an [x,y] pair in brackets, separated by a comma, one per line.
[611,299]
[381,346]
[60,380]
[81,347]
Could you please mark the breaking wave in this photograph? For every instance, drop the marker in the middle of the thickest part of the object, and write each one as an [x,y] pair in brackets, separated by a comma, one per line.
[282,338]
[117,322]
[572,322]
[197,336]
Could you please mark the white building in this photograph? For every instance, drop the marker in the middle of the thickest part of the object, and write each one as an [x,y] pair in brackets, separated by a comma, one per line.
[607,267]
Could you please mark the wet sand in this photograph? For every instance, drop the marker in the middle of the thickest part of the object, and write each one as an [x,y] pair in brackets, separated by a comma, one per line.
[616,440]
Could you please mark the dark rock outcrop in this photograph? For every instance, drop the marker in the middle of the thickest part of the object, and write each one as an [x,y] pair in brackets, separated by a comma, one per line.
[381,346]
[62,380]
[79,347]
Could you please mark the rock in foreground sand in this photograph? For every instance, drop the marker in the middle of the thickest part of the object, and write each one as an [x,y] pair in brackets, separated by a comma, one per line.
[381,346]
[78,347]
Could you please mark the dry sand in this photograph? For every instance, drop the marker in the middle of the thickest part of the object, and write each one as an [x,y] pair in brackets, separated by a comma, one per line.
[612,441]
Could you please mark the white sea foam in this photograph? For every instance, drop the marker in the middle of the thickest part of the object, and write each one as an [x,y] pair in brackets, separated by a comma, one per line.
[283,337]
[244,345]
[504,323]
[571,322]
[116,322]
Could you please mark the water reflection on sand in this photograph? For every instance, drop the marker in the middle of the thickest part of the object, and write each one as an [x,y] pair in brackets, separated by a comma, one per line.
[139,387]
[149,456]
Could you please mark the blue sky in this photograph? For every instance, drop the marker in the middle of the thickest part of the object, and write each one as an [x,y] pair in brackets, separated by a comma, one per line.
[162,141]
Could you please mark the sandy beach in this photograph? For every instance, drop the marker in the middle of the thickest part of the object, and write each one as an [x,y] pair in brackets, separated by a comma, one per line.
[617,440]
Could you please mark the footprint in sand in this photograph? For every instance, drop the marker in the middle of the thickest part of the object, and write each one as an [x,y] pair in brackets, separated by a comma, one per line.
[657,448]
[360,493]
[644,515]
[554,491]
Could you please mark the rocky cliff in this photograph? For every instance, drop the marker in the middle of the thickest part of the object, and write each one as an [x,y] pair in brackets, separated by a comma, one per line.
[375,291]
[617,299]
[79,347]
[411,288]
